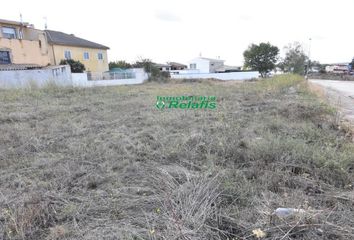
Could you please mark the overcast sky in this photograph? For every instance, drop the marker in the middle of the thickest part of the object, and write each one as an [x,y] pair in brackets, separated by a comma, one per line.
[179,30]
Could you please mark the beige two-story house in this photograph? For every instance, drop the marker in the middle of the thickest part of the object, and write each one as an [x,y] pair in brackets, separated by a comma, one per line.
[68,46]
[21,43]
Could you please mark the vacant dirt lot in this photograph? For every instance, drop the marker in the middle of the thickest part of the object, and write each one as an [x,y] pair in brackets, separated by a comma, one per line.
[104,163]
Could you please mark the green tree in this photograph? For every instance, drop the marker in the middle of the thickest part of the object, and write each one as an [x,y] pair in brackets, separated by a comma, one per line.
[154,72]
[147,64]
[295,60]
[352,65]
[315,64]
[119,64]
[261,57]
[75,66]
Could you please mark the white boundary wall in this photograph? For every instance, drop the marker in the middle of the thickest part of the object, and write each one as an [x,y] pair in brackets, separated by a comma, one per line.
[221,76]
[80,80]
[59,75]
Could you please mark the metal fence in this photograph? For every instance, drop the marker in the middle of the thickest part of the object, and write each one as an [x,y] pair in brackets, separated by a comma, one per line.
[111,75]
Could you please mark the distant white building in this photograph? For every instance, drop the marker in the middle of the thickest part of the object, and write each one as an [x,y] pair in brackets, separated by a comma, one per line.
[206,65]
[208,68]
[338,68]
[210,65]
[163,67]
[170,66]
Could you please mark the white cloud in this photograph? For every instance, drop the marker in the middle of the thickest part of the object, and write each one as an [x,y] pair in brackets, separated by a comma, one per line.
[164,15]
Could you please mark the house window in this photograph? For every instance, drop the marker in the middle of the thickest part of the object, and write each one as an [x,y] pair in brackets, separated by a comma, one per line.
[8,32]
[86,56]
[193,66]
[67,54]
[5,57]
[100,56]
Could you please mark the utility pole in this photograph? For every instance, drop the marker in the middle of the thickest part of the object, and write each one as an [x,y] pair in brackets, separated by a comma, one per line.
[309,47]
[45,23]
[308,61]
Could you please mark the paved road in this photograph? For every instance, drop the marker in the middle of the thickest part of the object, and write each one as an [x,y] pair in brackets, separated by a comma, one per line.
[344,87]
[339,93]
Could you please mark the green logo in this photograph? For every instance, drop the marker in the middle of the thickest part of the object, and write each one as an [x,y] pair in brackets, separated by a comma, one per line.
[186,102]
[160,104]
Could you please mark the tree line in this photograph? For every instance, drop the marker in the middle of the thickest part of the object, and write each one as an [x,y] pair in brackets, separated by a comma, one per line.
[264,58]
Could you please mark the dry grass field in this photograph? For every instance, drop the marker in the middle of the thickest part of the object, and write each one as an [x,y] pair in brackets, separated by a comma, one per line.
[105,163]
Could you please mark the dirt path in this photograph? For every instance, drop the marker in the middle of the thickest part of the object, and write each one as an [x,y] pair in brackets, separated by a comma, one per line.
[339,94]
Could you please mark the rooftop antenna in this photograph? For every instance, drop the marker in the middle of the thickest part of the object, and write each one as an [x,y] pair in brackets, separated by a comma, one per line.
[45,23]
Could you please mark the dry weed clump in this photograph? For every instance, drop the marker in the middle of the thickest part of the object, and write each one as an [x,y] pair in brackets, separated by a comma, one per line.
[188,203]
[27,218]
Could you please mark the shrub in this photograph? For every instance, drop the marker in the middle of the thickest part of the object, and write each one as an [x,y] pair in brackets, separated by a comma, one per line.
[155,74]
[75,66]
[119,64]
